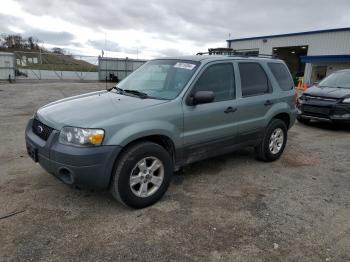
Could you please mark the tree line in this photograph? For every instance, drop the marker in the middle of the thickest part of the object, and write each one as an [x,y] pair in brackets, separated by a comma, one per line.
[16,41]
[13,41]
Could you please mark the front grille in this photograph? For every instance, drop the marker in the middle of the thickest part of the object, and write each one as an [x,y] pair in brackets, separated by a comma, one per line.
[41,130]
[315,110]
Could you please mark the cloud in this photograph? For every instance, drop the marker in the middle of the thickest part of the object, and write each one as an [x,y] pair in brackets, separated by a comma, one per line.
[170,52]
[197,20]
[52,38]
[8,22]
[185,25]
[13,25]
[104,45]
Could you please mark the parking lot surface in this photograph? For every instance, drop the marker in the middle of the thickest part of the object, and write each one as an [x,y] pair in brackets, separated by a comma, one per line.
[230,208]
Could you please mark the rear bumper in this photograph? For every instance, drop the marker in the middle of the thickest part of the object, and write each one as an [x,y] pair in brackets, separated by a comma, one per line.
[84,166]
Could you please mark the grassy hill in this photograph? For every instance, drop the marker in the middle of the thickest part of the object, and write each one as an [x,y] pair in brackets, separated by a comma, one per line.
[50,61]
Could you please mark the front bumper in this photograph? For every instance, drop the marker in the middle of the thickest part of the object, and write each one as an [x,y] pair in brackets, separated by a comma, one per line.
[323,111]
[84,166]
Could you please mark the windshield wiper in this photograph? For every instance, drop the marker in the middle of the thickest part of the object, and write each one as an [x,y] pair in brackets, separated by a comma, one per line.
[119,90]
[133,92]
[137,93]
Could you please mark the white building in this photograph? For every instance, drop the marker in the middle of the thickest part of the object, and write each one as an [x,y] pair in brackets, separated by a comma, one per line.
[7,66]
[313,54]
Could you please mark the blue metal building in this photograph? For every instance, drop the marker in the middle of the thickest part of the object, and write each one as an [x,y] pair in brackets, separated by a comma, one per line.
[312,54]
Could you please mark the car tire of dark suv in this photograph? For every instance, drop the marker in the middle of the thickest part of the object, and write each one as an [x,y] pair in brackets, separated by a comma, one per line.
[304,121]
[274,141]
[142,175]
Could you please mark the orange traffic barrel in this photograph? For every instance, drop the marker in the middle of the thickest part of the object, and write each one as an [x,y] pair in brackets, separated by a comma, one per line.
[299,85]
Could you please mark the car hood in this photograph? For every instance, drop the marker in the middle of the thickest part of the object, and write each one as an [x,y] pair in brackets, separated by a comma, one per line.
[331,92]
[88,109]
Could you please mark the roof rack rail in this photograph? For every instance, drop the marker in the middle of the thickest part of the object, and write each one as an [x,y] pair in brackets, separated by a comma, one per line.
[265,55]
[218,51]
[231,52]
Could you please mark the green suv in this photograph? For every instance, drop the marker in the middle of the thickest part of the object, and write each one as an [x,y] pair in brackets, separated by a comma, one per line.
[167,114]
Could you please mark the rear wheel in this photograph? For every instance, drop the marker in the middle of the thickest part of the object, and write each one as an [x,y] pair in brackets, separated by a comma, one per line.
[274,141]
[142,175]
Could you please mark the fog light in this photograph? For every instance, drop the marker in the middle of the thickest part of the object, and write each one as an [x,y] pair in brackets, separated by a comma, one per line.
[341,116]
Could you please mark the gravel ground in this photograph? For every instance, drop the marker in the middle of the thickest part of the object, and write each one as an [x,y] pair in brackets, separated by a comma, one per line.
[230,208]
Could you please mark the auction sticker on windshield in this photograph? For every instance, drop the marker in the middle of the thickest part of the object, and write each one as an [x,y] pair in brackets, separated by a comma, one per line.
[184,66]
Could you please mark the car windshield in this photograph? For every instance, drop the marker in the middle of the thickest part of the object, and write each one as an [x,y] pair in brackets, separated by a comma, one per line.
[338,79]
[161,79]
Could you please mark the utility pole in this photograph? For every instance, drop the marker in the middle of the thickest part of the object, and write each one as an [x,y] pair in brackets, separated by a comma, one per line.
[41,60]
[106,59]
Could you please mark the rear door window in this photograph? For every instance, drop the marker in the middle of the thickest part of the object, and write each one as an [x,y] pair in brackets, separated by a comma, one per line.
[281,73]
[254,80]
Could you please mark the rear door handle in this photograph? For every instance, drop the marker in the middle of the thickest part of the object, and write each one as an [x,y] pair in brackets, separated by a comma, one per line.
[268,103]
[230,110]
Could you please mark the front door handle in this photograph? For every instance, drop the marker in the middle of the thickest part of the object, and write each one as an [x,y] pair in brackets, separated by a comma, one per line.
[230,110]
[268,103]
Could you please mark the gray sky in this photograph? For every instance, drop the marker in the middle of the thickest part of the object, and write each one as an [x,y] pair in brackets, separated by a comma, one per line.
[150,28]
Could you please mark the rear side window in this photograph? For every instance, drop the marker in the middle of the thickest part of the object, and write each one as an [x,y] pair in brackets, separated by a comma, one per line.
[281,73]
[254,80]
[219,79]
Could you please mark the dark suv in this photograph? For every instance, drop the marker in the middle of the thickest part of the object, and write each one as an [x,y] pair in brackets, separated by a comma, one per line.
[327,101]
[167,114]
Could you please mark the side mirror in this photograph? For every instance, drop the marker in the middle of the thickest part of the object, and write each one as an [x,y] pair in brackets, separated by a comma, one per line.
[202,97]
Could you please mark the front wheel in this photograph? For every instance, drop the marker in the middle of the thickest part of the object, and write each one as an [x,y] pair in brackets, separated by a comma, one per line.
[274,141]
[142,175]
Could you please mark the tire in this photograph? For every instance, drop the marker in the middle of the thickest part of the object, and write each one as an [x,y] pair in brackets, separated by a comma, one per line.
[263,151]
[304,121]
[132,185]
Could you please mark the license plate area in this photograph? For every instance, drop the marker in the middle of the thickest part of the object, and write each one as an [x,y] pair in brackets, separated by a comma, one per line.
[316,110]
[32,152]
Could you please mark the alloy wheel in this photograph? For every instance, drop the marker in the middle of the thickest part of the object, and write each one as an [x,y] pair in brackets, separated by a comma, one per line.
[276,141]
[146,177]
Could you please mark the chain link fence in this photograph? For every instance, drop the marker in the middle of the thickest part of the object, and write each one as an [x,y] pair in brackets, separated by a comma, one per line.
[56,66]
[115,69]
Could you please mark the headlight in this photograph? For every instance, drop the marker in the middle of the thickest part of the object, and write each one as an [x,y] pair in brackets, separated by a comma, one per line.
[81,136]
[346,100]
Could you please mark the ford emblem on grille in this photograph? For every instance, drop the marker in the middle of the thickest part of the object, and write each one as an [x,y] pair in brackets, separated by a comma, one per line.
[40,129]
